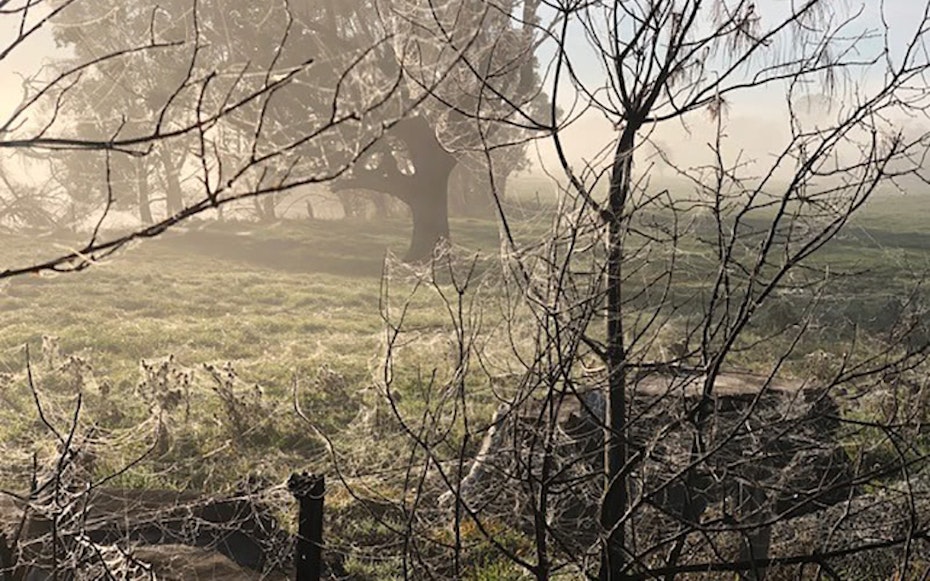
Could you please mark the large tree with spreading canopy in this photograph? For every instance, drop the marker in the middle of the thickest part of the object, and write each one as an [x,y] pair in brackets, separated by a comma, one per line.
[422,92]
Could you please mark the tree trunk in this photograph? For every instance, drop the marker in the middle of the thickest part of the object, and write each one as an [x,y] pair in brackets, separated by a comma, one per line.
[430,221]
[142,188]
[425,191]
[615,500]
[269,212]
[174,197]
[265,208]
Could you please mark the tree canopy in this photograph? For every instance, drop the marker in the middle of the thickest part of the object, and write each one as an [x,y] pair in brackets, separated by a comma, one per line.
[395,105]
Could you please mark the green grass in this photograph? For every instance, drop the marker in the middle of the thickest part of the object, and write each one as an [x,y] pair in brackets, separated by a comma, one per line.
[296,302]
[283,301]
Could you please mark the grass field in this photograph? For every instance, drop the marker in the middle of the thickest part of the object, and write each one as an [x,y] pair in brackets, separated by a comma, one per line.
[268,306]
[294,302]
[289,300]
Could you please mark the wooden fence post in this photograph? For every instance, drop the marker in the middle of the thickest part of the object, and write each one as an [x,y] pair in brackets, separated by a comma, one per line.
[309,490]
[7,560]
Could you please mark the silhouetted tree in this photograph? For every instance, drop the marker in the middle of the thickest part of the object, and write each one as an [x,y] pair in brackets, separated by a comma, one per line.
[414,159]
[144,93]
[628,442]
[432,89]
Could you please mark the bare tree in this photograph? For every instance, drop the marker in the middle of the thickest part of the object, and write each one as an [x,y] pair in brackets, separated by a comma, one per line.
[648,399]
[664,61]
[663,407]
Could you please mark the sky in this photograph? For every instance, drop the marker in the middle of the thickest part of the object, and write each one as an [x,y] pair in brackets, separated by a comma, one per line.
[26,60]
[754,121]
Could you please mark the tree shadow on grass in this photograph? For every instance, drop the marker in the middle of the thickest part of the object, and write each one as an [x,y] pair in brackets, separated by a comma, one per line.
[341,256]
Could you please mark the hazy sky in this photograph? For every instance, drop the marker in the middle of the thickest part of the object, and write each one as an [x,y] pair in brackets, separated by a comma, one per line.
[754,121]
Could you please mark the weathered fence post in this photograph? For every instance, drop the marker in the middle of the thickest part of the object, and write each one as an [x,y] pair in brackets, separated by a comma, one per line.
[309,489]
[7,560]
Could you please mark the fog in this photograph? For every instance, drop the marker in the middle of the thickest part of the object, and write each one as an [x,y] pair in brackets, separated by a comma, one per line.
[755,123]
[582,290]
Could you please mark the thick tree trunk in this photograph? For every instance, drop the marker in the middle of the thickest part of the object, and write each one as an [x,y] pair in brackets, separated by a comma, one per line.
[425,190]
[430,222]
[142,189]
[265,208]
